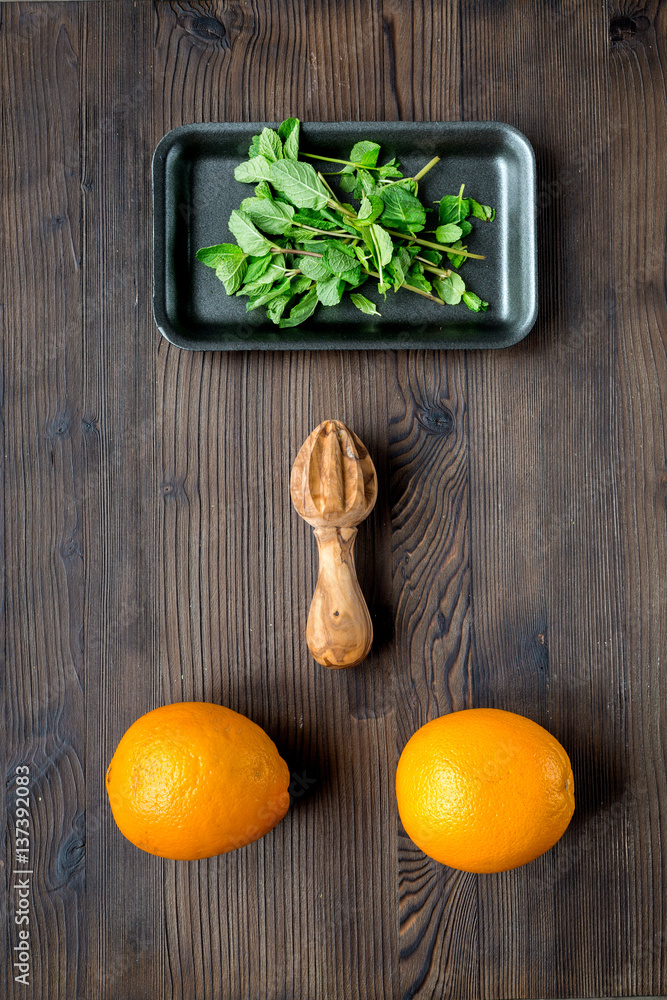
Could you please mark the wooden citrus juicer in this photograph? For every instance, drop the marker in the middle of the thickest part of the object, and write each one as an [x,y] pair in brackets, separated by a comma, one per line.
[334,487]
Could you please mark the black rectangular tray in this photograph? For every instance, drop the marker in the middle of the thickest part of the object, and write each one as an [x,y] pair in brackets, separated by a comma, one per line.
[194,193]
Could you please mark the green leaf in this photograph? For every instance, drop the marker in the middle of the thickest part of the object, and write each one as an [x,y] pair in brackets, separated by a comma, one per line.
[366,306]
[390,169]
[289,133]
[252,288]
[367,237]
[307,217]
[340,263]
[335,244]
[397,267]
[300,284]
[456,259]
[365,153]
[365,208]
[271,216]
[212,256]
[347,182]
[316,245]
[314,267]
[483,212]
[358,282]
[453,208]
[229,262]
[250,171]
[299,182]
[231,275]
[276,272]
[474,302]
[432,256]
[416,277]
[276,307]
[362,256]
[465,227]
[263,190]
[448,233]
[300,312]
[257,267]
[370,210]
[248,236]
[330,290]
[344,224]
[408,184]
[253,149]
[265,297]
[448,289]
[404,256]
[384,244]
[298,235]
[365,183]
[270,146]
[354,277]
[402,210]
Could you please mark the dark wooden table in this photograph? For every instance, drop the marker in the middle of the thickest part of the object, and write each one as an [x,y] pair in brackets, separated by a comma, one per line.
[517,557]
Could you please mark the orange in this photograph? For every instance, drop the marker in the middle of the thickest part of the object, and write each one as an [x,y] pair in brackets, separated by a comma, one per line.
[192,780]
[484,790]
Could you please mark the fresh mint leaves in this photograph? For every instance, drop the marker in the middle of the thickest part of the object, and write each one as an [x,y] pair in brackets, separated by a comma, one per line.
[402,210]
[301,245]
[289,133]
[229,262]
[251,171]
[271,216]
[299,182]
[247,235]
[366,306]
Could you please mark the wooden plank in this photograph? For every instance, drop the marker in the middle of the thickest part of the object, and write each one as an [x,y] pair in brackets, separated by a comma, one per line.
[46,564]
[430,536]
[313,904]
[429,489]
[638,62]
[548,581]
[516,556]
[124,894]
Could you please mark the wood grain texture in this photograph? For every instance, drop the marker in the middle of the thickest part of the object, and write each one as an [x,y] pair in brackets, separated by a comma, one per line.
[122,652]
[516,557]
[45,561]
[431,573]
[547,563]
[639,108]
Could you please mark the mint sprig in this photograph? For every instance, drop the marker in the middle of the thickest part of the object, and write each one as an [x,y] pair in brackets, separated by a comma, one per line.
[301,245]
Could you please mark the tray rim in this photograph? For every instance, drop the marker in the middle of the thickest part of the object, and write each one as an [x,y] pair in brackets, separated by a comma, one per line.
[159,233]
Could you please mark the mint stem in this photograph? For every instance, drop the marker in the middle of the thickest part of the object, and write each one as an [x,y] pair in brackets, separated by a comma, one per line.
[301,253]
[430,267]
[331,159]
[425,170]
[378,255]
[332,203]
[410,288]
[328,232]
[459,252]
